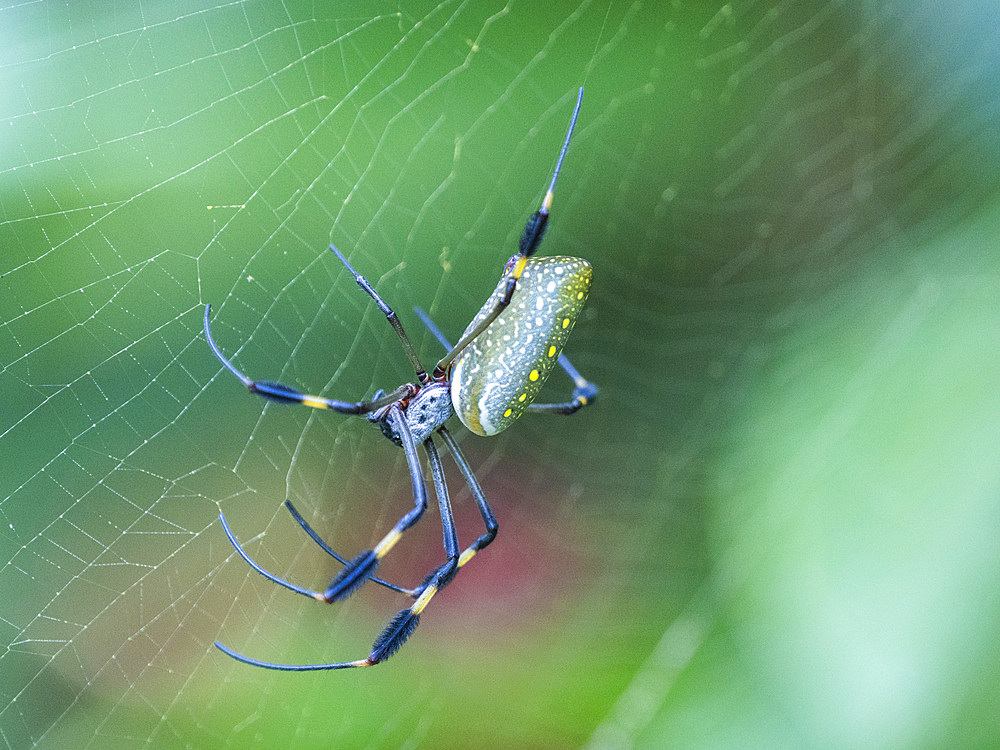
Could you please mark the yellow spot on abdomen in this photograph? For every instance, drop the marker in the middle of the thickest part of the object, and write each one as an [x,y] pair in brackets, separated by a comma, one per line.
[552,351]
[508,412]
[565,323]
[533,375]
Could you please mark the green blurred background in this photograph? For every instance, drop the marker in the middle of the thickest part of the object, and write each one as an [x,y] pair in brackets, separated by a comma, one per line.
[776,528]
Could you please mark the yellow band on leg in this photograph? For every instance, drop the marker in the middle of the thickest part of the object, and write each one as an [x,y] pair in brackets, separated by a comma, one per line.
[315,403]
[466,556]
[421,602]
[387,543]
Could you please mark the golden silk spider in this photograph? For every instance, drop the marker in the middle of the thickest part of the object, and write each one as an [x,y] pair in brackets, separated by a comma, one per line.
[489,378]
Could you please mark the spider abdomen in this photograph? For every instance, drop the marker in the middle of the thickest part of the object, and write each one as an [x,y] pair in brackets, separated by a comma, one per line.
[501,372]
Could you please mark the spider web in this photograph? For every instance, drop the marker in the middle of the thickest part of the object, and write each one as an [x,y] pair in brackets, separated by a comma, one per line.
[777,525]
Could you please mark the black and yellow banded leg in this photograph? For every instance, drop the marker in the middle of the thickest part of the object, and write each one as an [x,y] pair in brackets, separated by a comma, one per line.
[402,625]
[406,620]
[318,596]
[441,575]
[326,548]
[399,629]
[531,238]
[478,495]
[395,634]
[288,395]
[362,565]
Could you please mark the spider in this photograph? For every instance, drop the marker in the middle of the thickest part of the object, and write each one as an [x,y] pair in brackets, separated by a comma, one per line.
[489,378]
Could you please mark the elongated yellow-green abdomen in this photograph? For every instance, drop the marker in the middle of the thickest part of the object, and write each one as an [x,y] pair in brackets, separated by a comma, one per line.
[502,370]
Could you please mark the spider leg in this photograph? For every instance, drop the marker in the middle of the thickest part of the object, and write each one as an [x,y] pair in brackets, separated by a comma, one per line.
[361,567]
[432,327]
[391,316]
[531,238]
[444,572]
[477,493]
[584,394]
[289,667]
[405,621]
[387,644]
[287,395]
[311,594]
[397,631]
[269,576]
[326,548]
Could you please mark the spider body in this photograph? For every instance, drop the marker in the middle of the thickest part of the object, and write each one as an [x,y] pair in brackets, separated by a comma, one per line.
[489,378]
